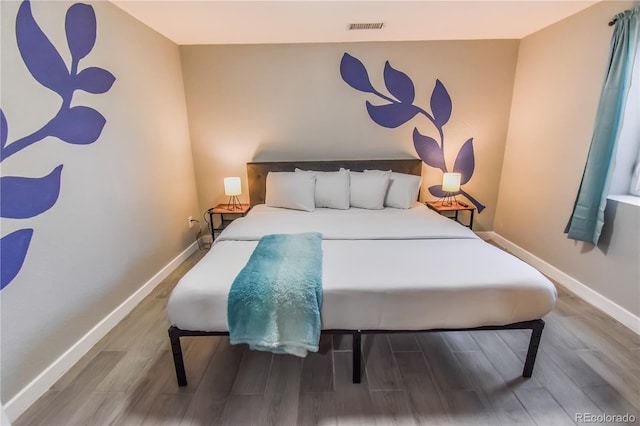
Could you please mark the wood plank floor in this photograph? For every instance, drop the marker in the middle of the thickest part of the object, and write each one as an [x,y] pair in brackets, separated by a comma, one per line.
[587,363]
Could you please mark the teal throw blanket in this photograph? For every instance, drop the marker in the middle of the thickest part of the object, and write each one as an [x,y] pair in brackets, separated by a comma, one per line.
[274,302]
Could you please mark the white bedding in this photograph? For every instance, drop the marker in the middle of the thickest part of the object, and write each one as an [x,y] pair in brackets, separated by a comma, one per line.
[389,269]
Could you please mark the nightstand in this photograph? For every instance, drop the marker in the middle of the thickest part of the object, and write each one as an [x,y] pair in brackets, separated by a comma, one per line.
[223,210]
[455,208]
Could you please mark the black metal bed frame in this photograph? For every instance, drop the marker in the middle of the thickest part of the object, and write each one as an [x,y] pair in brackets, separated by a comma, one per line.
[535,326]
[257,173]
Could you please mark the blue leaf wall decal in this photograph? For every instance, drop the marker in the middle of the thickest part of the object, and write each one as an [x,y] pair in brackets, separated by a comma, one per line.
[428,150]
[399,84]
[23,197]
[40,56]
[4,130]
[13,250]
[355,74]
[94,80]
[391,115]
[465,162]
[440,104]
[80,26]
[78,125]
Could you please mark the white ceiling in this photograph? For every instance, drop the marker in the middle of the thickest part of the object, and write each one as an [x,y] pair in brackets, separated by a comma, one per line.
[251,22]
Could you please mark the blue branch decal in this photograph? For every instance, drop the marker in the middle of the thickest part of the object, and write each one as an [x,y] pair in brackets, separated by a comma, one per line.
[25,197]
[400,109]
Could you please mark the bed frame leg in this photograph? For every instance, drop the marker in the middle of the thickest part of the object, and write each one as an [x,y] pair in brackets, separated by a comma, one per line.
[536,334]
[357,356]
[176,348]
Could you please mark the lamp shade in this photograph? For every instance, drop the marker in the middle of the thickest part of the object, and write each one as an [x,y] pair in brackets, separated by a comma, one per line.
[232,186]
[451,182]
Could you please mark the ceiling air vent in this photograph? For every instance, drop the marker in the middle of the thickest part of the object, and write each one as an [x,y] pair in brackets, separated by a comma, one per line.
[368,26]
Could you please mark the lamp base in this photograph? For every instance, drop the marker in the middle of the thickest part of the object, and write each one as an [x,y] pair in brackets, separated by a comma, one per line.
[234,203]
[449,200]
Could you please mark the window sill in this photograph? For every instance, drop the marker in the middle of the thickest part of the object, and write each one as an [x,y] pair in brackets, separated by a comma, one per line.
[626,199]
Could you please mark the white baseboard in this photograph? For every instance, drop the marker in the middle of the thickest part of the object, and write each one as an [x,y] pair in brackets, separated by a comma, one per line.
[590,296]
[38,386]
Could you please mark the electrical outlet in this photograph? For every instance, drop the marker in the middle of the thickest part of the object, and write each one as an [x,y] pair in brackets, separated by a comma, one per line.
[190,219]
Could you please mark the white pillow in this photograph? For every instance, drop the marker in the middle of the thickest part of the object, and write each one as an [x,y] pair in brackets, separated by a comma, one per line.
[368,190]
[332,188]
[291,190]
[403,189]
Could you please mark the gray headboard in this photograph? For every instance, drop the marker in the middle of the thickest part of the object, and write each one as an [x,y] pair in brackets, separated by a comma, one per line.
[257,172]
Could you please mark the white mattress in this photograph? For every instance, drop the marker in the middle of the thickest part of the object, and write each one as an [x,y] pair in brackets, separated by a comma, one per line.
[382,270]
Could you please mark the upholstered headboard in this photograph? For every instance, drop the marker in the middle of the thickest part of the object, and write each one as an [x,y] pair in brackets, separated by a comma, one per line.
[257,172]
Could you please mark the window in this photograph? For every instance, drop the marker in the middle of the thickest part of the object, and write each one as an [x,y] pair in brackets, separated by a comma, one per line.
[626,174]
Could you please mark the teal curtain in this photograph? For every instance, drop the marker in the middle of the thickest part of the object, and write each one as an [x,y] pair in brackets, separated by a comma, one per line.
[588,211]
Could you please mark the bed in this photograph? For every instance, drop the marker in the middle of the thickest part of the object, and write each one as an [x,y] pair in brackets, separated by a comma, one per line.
[383,271]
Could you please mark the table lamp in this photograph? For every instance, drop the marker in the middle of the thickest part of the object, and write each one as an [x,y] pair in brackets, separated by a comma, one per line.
[450,185]
[233,188]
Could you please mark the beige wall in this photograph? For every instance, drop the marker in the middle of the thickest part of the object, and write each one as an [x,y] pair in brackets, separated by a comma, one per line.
[558,80]
[288,102]
[122,211]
